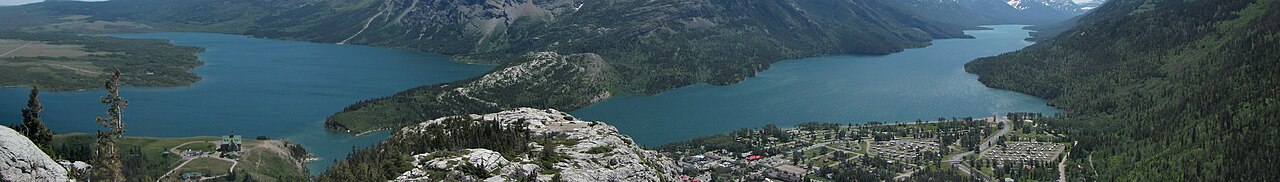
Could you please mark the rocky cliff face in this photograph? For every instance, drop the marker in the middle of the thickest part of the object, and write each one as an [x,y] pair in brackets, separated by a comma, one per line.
[494,31]
[23,161]
[988,12]
[610,46]
[598,153]
[1064,7]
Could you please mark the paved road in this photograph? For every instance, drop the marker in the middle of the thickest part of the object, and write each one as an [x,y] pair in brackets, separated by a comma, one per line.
[1062,166]
[984,147]
[959,157]
[986,144]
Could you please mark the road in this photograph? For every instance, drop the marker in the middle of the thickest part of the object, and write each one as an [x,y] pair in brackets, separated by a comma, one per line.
[185,159]
[986,145]
[15,49]
[958,159]
[1062,166]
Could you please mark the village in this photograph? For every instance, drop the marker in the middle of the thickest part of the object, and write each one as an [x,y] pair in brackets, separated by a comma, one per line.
[209,162]
[981,149]
[228,157]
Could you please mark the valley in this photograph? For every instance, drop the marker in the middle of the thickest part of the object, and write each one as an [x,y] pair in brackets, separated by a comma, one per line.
[645,90]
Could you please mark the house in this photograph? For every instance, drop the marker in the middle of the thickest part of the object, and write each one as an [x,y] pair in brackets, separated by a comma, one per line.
[788,172]
[231,145]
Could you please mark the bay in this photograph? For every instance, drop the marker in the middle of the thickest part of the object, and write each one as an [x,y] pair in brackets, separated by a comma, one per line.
[255,87]
[924,83]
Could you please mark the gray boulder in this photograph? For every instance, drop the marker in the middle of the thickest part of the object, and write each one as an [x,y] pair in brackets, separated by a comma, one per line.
[23,161]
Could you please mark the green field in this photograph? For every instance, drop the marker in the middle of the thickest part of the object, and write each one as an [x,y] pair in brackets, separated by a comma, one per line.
[145,158]
[62,62]
[205,146]
[207,166]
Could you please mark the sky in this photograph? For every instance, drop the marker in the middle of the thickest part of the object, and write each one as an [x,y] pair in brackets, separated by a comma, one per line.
[21,2]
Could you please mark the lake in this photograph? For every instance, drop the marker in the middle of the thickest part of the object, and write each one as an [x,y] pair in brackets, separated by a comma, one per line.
[285,89]
[253,87]
[925,83]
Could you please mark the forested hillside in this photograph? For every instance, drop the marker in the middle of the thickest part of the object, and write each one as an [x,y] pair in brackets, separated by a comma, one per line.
[521,144]
[646,46]
[64,62]
[1161,90]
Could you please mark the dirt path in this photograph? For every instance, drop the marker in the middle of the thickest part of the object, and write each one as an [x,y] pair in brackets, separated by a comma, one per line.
[184,163]
[15,49]
[75,69]
[185,159]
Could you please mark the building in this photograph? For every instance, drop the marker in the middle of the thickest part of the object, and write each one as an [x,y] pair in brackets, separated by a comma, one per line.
[231,145]
[788,172]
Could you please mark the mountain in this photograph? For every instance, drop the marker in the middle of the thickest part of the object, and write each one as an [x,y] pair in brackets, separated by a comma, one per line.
[645,46]
[989,12]
[1056,6]
[1160,90]
[521,144]
[547,80]
[1089,4]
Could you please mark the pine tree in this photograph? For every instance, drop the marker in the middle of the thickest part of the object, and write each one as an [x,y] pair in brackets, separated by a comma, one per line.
[33,127]
[107,165]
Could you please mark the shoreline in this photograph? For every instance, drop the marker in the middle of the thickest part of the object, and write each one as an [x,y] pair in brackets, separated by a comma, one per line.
[885,124]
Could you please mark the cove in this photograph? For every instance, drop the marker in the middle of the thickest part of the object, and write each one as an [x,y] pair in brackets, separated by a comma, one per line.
[924,83]
[255,87]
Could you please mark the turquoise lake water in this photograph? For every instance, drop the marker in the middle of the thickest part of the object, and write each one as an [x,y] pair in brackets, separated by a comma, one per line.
[925,83]
[282,89]
[285,89]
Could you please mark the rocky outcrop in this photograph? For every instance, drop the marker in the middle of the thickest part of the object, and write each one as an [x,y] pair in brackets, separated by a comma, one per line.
[546,80]
[23,161]
[580,77]
[598,153]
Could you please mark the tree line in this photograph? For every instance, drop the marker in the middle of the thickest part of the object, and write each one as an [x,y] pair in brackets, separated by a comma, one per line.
[105,157]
